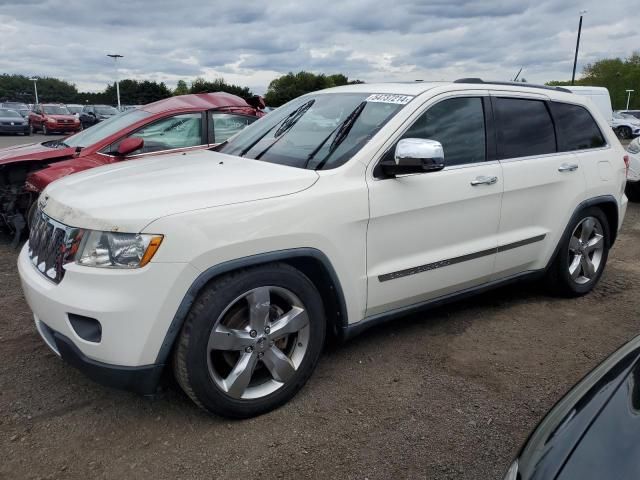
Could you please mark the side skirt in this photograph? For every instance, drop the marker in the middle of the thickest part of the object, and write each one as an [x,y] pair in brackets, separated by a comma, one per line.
[350,331]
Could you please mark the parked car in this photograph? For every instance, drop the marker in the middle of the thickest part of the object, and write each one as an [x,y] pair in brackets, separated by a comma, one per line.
[633,175]
[74,109]
[173,125]
[53,118]
[235,263]
[635,113]
[14,105]
[12,122]
[625,126]
[92,114]
[593,433]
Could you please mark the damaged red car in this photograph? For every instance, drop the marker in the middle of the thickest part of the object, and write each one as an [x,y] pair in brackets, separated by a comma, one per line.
[172,125]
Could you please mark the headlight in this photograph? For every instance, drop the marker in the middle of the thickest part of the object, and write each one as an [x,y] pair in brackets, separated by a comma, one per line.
[117,250]
[634,146]
[51,120]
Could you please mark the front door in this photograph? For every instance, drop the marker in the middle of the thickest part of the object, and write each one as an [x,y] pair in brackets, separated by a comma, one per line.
[435,233]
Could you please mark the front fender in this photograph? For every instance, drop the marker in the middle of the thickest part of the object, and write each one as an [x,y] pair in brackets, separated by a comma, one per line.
[37,181]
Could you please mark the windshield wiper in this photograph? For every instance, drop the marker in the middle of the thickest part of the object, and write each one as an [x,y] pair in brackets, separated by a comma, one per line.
[342,133]
[288,122]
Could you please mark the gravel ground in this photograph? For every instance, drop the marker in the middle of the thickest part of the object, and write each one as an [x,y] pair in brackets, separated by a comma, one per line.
[448,394]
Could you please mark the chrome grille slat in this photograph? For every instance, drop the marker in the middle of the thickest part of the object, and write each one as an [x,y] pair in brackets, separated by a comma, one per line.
[50,245]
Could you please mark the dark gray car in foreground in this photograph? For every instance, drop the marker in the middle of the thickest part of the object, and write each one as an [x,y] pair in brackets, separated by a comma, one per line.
[593,433]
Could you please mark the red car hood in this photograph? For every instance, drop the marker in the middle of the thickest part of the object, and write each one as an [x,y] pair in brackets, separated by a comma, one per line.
[62,117]
[32,151]
[36,181]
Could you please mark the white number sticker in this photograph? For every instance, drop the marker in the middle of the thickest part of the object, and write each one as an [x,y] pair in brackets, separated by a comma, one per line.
[389,98]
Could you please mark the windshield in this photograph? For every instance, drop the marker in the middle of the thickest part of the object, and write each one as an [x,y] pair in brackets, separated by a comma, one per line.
[74,108]
[106,110]
[9,113]
[317,132]
[55,110]
[106,128]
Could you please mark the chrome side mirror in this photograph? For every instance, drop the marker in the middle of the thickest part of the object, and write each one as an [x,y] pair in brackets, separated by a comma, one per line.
[415,155]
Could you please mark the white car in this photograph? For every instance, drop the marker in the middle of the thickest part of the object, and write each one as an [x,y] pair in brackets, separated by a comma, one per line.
[633,175]
[338,211]
[625,125]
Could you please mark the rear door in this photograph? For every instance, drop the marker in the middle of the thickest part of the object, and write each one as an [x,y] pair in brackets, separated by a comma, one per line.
[542,185]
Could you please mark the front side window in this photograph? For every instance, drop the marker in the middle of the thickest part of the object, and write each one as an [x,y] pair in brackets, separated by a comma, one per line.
[577,130]
[458,124]
[222,126]
[55,110]
[524,128]
[178,131]
[106,110]
[319,131]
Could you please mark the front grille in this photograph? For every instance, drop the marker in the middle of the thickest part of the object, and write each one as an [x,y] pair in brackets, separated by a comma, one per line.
[64,122]
[50,245]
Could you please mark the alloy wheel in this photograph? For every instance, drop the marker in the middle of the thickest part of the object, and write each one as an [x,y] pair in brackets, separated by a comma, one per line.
[258,342]
[586,248]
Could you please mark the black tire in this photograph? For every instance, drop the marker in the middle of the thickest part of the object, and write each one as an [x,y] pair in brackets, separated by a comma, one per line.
[633,191]
[31,129]
[559,281]
[191,354]
[44,130]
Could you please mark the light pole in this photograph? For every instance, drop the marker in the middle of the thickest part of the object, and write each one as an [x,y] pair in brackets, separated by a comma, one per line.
[575,58]
[629,92]
[35,87]
[115,57]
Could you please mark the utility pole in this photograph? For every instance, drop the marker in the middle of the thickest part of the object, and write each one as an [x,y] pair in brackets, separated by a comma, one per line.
[115,57]
[575,58]
[35,88]
[629,92]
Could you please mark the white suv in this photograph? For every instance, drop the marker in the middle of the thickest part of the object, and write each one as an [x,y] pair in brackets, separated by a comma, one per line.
[340,210]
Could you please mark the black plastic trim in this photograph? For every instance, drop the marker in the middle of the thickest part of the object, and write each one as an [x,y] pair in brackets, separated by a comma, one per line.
[250,261]
[476,80]
[143,380]
[357,328]
[462,258]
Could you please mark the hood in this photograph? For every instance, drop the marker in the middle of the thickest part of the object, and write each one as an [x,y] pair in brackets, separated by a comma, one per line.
[127,196]
[38,180]
[60,117]
[19,119]
[33,151]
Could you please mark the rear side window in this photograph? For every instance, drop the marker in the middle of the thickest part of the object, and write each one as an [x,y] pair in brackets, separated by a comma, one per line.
[525,128]
[577,130]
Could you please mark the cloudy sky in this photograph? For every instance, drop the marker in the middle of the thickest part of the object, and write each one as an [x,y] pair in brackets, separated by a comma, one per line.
[251,42]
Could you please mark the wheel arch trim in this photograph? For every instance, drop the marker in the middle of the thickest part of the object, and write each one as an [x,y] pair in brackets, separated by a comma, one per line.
[244,262]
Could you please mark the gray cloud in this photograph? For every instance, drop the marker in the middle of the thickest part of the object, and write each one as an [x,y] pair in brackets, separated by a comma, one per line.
[252,42]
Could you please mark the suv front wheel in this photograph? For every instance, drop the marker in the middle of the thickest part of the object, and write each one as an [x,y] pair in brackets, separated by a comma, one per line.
[582,256]
[250,341]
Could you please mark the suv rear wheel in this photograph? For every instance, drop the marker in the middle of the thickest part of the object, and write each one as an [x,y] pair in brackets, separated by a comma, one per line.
[250,341]
[582,256]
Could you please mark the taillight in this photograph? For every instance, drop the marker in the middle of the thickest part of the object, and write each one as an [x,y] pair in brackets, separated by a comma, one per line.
[626,164]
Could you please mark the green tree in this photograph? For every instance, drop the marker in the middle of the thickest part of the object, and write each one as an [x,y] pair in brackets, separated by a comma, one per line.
[136,92]
[292,85]
[20,88]
[181,88]
[617,75]
[200,85]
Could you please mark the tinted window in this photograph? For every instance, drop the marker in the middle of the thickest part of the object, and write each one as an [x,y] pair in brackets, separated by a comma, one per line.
[458,124]
[577,129]
[225,125]
[524,128]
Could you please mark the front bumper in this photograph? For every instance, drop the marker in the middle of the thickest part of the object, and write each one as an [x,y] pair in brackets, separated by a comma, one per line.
[134,309]
[55,127]
[14,128]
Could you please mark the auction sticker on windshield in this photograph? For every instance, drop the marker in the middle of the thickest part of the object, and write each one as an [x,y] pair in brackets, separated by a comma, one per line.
[389,98]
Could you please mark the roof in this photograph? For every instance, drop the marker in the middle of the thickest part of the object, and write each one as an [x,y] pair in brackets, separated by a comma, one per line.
[202,101]
[405,88]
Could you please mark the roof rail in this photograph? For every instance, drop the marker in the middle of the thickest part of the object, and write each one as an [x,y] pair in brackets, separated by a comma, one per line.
[513,84]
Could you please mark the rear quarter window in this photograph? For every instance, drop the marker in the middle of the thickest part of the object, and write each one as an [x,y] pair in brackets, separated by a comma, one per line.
[577,130]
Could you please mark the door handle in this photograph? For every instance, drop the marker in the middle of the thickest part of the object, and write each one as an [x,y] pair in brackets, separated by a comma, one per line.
[568,167]
[483,180]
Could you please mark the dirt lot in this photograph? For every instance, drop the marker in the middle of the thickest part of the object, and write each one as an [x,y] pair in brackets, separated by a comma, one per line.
[448,394]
